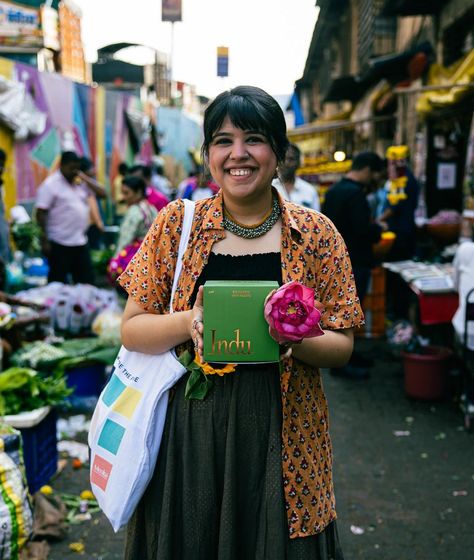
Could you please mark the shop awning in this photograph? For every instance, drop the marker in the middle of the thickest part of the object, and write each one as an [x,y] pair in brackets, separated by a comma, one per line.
[396,67]
[304,132]
[410,7]
[365,108]
[344,88]
[460,76]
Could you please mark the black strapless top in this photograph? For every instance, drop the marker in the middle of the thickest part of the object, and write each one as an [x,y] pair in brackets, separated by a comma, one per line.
[261,266]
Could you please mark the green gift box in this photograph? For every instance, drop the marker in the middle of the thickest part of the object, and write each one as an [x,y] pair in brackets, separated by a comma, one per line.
[235,329]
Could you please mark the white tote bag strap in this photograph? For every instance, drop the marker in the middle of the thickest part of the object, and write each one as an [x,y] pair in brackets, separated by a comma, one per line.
[183,243]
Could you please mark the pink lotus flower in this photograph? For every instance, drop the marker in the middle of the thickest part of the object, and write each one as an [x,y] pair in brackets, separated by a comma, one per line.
[291,313]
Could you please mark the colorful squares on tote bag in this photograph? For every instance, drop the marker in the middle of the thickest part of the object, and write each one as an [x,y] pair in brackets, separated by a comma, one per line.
[127,402]
[111,436]
[100,472]
[114,389]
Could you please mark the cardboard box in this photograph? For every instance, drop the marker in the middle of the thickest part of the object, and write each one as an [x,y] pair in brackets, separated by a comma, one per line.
[235,329]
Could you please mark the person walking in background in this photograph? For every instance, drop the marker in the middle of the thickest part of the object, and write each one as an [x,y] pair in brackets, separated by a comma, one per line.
[120,206]
[199,186]
[347,206]
[292,187]
[63,214]
[463,278]
[133,228]
[159,181]
[154,196]
[247,471]
[139,215]
[5,251]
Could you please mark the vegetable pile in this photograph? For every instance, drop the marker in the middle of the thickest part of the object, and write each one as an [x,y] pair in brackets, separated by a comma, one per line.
[23,389]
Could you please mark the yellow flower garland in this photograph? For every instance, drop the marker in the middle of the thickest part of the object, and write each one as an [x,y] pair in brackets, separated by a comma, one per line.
[397,184]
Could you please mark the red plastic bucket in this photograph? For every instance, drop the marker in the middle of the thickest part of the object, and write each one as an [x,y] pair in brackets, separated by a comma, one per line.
[425,373]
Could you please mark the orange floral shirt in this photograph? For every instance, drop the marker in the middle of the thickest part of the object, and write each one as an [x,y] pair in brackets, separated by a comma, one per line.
[313,253]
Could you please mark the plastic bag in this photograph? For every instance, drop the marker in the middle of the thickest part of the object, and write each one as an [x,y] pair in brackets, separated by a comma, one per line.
[18,111]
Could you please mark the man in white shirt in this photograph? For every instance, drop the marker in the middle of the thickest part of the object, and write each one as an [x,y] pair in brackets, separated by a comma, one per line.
[63,212]
[292,187]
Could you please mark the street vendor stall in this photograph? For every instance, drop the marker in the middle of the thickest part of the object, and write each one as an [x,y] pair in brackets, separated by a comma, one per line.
[433,287]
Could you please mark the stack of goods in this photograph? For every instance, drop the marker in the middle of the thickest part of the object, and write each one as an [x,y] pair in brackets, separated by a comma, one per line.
[23,389]
[16,519]
[73,308]
[65,355]
[444,227]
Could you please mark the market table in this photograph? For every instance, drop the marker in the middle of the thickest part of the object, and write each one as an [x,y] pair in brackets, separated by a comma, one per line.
[433,288]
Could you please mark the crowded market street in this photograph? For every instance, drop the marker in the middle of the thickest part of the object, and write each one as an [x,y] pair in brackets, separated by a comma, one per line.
[236,280]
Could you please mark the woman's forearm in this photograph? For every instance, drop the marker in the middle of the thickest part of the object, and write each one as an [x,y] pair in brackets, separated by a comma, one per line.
[333,349]
[154,334]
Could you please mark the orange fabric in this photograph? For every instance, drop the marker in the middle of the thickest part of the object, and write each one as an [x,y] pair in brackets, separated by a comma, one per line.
[313,253]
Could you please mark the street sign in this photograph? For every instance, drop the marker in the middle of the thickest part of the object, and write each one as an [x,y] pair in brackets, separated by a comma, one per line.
[222,62]
[171,10]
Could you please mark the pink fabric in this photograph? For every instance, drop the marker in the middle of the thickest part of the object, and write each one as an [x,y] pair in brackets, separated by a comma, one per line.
[156,198]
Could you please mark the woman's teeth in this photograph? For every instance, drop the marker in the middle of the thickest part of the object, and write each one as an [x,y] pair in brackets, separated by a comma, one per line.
[239,172]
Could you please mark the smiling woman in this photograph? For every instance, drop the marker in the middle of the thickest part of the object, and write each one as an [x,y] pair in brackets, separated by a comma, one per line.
[246,472]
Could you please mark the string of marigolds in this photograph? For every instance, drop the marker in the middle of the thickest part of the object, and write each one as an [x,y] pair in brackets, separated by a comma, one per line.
[397,173]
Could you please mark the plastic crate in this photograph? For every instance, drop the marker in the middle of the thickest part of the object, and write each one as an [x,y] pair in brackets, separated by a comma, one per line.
[87,381]
[38,431]
[374,306]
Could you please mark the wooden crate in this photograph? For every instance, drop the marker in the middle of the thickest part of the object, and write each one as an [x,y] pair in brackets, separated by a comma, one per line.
[374,306]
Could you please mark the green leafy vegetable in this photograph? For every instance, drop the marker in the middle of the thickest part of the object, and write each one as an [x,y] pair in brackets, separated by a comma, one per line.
[23,389]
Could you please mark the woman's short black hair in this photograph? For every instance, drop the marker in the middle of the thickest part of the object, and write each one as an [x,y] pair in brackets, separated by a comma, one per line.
[248,108]
[134,183]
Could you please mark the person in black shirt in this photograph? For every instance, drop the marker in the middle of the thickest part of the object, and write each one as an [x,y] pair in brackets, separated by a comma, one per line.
[347,207]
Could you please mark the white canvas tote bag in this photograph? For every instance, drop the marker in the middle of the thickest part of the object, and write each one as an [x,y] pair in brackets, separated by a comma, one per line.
[128,421]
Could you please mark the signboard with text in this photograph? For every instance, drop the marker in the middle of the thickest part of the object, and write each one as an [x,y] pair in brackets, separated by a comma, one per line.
[19,26]
[171,10]
[222,62]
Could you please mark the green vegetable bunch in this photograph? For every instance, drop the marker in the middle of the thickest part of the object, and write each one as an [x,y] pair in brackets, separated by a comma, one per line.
[27,237]
[23,389]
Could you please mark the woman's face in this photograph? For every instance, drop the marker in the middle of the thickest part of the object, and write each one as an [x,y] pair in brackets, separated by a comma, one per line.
[129,196]
[241,162]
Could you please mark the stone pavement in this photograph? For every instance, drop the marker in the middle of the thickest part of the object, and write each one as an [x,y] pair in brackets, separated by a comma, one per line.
[399,497]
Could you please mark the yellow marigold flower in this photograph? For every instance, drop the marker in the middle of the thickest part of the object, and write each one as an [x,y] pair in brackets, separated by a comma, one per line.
[209,370]
[77,547]
[46,490]
[397,152]
[400,182]
[87,495]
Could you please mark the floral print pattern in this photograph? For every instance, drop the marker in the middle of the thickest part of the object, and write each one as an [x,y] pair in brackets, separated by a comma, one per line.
[313,253]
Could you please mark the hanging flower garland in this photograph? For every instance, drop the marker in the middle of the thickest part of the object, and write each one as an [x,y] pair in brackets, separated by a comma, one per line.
[397,173]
